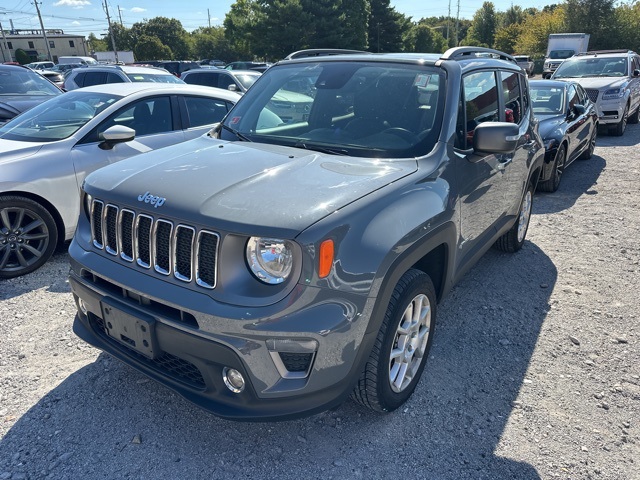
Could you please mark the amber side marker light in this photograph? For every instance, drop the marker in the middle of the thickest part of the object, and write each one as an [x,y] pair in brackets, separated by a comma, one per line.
[326,258]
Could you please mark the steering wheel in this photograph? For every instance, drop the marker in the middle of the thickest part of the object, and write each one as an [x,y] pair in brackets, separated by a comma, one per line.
[403,133]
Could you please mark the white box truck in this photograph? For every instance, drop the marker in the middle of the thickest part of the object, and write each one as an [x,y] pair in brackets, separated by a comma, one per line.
[110,57]
[561,46]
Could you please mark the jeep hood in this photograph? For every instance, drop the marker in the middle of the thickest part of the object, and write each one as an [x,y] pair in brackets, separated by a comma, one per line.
[243,187]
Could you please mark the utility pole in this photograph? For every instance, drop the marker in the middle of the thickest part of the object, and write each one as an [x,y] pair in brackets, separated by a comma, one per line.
[457,23]
[113,40]
[44,33]
[120,15]
[448,19]
[209,17]
[4,46]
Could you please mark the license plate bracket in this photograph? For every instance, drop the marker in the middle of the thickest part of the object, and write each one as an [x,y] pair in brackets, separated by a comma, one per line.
[132,329]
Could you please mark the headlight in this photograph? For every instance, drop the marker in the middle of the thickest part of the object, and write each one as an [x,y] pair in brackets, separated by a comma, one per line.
[547,64]
[86,202]
[613,94]
[270,259]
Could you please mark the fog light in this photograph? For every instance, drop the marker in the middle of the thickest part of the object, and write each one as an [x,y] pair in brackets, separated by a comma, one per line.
[233,379]
[83,306]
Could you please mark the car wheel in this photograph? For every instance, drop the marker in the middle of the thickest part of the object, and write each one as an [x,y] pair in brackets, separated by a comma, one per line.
[28,236]
[401,348]
[634,118]
[559,162]
[621,126]
[513,240]
[588,153]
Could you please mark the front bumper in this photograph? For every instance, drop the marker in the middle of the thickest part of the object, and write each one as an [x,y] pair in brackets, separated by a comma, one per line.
[319,337]
[610,112]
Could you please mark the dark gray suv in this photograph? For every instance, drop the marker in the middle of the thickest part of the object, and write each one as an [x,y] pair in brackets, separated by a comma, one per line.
[270,270]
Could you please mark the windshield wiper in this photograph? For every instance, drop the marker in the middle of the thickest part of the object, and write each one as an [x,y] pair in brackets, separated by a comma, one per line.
[318,148]
[239,135]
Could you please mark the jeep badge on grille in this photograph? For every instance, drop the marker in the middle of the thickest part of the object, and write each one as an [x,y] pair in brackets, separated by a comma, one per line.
[152,199]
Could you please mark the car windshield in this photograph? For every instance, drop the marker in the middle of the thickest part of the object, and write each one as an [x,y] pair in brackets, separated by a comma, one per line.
[521,59]
[153,77]
[58,118]
[592,67]
[560,54]
[25,82]
[246,79]
[363,109]
[547,100]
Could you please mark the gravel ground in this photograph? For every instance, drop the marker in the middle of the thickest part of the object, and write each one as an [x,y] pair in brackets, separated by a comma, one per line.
[534,372]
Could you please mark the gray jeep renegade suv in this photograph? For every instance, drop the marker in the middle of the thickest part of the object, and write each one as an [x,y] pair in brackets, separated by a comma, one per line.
[269,270]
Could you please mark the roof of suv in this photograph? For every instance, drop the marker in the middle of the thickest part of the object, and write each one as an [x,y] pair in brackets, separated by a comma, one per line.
[466,57]
[605,53]
[127,69]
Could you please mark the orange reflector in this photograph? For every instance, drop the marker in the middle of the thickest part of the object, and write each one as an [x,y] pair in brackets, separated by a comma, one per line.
[326,258]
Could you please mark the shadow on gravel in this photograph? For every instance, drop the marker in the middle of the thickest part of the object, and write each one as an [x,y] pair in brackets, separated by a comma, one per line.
[108,421]
[580,178]
[51,276]
[629,139]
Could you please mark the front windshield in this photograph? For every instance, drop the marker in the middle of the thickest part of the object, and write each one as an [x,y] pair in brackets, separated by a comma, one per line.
[246,79]
[560,54]
[592,67]
[25,82]
[152,77]
[58,118]
[547,100]
[365,109]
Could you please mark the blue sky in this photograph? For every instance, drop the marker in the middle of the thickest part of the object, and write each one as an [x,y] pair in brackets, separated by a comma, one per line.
[85,16]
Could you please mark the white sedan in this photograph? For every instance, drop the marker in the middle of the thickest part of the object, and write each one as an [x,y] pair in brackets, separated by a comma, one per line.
[46,153]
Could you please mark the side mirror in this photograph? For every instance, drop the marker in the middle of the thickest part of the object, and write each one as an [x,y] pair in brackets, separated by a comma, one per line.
[636,73]
[114,135]
[233,87]
[579,109]
[496,137]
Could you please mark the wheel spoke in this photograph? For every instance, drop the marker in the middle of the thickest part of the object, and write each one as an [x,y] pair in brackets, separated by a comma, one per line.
[4,215]
[399,378]
[5,258]
[33,225]
[37,236]
[36,253]
[19,218]
[397,354]
[23,261]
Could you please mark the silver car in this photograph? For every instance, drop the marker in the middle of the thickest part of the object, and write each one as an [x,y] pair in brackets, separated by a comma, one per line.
[46,153]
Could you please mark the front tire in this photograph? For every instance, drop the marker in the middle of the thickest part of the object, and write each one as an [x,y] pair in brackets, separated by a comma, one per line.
[557,170]
[634,118]
[619,128]
[513,240]
[28,236]
[588,153]
[401,348]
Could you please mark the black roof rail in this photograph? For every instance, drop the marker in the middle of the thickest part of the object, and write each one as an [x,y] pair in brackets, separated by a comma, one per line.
[603,52]
[458,53]
[321,52]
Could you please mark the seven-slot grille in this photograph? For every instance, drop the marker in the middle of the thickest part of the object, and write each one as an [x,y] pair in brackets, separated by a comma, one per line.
[592,93]
[156,243]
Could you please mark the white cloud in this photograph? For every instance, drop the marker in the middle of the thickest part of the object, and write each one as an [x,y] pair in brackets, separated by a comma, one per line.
[72,3]
[75,22]
[138,10]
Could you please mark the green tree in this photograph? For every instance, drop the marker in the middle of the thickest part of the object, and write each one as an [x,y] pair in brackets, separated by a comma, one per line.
[168,30]
[513,14]
[22,57]
[151,48]
[386,27]
[239,26]
[483,26]
[356,24]
[536,29]
[96,44]
[426,39]
[282,28]
[506,37]
[211,42]
[122,36]
[596,17]
[628,22]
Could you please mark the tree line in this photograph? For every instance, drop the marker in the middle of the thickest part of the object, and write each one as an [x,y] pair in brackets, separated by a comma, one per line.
[271,29]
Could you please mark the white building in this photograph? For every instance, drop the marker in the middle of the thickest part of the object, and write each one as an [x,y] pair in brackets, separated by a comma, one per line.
[33,43]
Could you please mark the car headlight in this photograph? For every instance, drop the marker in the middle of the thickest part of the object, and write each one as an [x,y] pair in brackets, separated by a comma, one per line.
[270,259]
[613,94]
[86,202]
[547,64]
